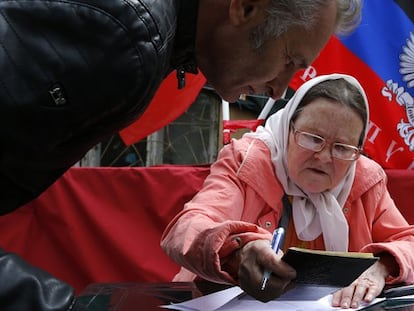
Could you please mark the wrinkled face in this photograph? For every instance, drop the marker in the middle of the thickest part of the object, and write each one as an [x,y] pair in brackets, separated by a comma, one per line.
[233,67]
[316,172]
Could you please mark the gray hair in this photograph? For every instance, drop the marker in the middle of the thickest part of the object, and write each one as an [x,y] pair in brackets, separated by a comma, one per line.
[338,90]
[285,14]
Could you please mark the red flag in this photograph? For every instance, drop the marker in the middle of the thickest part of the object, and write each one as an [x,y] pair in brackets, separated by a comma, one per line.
[167,105]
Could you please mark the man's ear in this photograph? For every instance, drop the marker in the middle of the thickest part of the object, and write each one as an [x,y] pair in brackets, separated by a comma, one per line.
[247,11]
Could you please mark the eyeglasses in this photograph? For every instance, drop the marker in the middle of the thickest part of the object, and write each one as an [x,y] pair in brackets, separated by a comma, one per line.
[316,143]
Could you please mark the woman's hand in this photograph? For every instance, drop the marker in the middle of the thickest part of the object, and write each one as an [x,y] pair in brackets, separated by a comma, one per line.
[254,258]
[365,288]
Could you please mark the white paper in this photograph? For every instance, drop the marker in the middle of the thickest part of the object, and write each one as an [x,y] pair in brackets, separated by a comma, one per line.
[327,302]
[301,298]
[209,302]
[234,299]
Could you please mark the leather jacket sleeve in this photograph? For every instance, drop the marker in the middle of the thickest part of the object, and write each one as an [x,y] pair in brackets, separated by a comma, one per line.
[24,287]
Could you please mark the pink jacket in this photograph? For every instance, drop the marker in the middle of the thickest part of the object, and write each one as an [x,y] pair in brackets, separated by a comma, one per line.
[241,201]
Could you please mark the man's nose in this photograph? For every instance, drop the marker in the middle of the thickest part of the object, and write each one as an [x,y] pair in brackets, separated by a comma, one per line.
[281,82]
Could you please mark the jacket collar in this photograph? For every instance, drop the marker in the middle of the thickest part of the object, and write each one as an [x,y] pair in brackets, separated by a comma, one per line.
[258,172]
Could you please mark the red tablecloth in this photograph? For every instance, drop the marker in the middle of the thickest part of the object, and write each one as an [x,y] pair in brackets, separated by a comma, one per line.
[401,187]
[105,224]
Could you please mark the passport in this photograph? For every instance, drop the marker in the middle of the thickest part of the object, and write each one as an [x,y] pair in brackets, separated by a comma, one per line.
[327,267]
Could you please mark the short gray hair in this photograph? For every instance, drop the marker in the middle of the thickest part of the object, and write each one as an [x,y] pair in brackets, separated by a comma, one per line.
[285,14]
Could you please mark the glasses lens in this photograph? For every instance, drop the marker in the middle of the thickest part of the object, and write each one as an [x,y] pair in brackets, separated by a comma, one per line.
[310,141]
[316,143]
[345,152]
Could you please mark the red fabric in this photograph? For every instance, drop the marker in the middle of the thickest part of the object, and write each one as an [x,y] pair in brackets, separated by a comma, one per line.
[230,126]
[234,125]
[168,104]
[105,224]
[400,186]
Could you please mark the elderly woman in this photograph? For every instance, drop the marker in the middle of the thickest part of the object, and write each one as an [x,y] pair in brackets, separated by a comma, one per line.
[310,151]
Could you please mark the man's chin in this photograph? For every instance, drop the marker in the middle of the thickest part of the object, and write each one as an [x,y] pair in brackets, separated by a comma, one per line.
[231,98]
[229,95]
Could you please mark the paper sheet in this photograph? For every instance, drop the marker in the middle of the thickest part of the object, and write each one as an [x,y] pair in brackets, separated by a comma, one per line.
[209,302]
[312,298]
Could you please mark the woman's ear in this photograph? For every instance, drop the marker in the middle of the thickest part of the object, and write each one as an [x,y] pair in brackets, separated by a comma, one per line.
[247,11]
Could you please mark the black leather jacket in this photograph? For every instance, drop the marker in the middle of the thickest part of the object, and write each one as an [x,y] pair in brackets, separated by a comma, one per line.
[71,74]
[24,287]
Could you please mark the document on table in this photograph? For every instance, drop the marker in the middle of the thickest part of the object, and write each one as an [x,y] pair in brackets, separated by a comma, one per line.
[209,302]
[301,298]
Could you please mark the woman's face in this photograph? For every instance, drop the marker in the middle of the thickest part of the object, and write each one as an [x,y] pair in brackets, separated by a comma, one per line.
[316,172]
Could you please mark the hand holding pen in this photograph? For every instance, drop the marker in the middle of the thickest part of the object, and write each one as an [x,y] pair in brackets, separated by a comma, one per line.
[276,243]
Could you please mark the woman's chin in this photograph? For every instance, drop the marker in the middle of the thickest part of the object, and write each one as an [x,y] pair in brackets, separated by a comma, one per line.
[314,188]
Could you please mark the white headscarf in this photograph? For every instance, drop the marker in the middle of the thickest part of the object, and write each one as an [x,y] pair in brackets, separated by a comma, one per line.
[313,213]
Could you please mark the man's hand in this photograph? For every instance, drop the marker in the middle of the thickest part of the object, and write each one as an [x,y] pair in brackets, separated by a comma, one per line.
[255,257]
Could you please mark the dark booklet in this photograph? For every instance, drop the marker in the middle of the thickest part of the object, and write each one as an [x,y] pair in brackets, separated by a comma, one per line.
[327,267]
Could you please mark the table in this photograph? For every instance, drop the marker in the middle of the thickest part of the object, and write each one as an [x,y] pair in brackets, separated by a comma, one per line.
[142,296]
[149,296]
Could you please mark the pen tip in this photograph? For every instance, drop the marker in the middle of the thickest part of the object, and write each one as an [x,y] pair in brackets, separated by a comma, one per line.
[263,284]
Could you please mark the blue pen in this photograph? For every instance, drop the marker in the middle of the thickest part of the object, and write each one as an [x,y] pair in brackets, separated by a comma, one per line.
[276,243]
